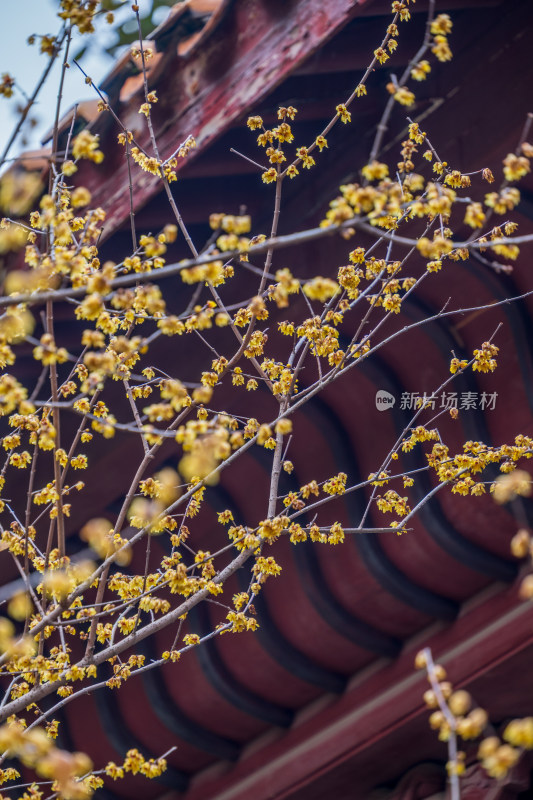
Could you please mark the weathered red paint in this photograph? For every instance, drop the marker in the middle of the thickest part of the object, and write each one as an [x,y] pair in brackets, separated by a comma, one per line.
[237,65]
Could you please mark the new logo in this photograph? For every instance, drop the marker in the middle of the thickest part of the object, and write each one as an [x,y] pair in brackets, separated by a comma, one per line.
[384,400]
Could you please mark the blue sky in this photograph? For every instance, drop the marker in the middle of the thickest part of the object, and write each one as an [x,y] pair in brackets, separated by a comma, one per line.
[22,19]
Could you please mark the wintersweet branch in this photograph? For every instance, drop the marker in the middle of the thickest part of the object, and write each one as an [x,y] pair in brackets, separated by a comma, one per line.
[271,244]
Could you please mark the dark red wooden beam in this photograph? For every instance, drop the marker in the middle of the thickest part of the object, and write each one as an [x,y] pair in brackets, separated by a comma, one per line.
[379,705]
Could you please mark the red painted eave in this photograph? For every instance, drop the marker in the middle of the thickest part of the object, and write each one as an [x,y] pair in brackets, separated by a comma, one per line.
[254,47]
[350,735]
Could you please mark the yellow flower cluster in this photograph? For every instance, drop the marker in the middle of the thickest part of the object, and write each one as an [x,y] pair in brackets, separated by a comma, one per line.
[85,145]
[37,751]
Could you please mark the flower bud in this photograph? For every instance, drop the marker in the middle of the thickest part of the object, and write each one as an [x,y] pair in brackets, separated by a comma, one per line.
[520,543]
[460,703]
[436,719]
[488,747]
[526,588]
[420,660]
[430,699]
